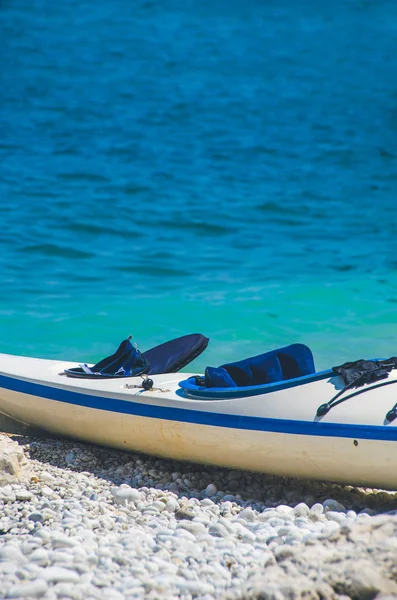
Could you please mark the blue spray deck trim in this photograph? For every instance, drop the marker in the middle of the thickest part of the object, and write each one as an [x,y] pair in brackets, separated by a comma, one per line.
[289,426]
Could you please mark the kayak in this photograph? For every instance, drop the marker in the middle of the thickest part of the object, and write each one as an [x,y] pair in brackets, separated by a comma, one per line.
[310,426]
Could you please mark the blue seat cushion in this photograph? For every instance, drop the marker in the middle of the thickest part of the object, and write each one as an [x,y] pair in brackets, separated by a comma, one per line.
[218,377]
[296,361]
[264,368]
[289,362]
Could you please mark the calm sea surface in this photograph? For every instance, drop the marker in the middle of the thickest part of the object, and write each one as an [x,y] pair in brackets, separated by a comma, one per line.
[222,167]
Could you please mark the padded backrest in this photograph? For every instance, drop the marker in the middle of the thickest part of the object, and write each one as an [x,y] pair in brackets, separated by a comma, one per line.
[172,356]
[289,362]
[264,368]
[296,361]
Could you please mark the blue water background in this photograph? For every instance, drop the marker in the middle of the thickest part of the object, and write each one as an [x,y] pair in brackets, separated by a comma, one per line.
[222,167]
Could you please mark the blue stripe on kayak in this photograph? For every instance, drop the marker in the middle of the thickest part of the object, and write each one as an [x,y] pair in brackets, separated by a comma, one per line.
[369,432]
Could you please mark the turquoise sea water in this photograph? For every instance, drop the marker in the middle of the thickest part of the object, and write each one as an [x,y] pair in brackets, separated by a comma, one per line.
[228,168]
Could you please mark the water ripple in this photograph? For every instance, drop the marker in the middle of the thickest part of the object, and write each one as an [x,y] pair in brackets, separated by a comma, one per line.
[57,251]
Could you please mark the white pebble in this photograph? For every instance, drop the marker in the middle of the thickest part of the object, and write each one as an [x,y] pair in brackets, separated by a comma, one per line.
[338,517]
[47,491]
[34,589]
[40,557]
[44,476]
[112,594]
[124,494]
[194,527]
[218,530]
[284,510]
[195,587]
[60,541]
[248,514]
[207,502]
[317,509]
[23,495]
[60,574]
[12,553]
[301,510]
[171,506]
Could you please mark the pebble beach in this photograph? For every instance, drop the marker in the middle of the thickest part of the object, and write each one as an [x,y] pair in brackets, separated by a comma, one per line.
[85,522]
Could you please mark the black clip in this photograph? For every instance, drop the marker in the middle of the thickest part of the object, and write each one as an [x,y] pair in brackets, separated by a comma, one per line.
[392,414]
[323,409]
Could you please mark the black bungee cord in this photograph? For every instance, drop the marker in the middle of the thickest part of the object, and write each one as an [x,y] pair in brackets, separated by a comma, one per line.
[323,409]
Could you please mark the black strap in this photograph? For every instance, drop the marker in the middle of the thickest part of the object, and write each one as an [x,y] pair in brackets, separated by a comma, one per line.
[378,370]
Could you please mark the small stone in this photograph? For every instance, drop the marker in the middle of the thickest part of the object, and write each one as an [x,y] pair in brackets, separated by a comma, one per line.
[333,505]
[124,494]
[194,527]
[159,505]
[44,476]
[63,541]
[184,514]
[171,506]
[267,514]
[112,594]
[218,530]
[195,588]
[59,574]
[368,511]
[207,502]
[47,491]
[36,517]
[276,522]
[317,509]
[43,534]
[40,557]
[5,525]
[210,490]
[301,510]
[284,552]
[8,497]
[228,498]
[23,495]
[246,535]
[11,553]
[248,514]
[70,457]
[32,589]
[284,510]
[338,517]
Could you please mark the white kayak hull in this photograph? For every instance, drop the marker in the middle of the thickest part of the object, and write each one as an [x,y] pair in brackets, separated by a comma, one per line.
[276,432]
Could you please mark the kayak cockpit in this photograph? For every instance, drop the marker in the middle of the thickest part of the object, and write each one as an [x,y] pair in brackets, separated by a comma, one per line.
[284,368]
